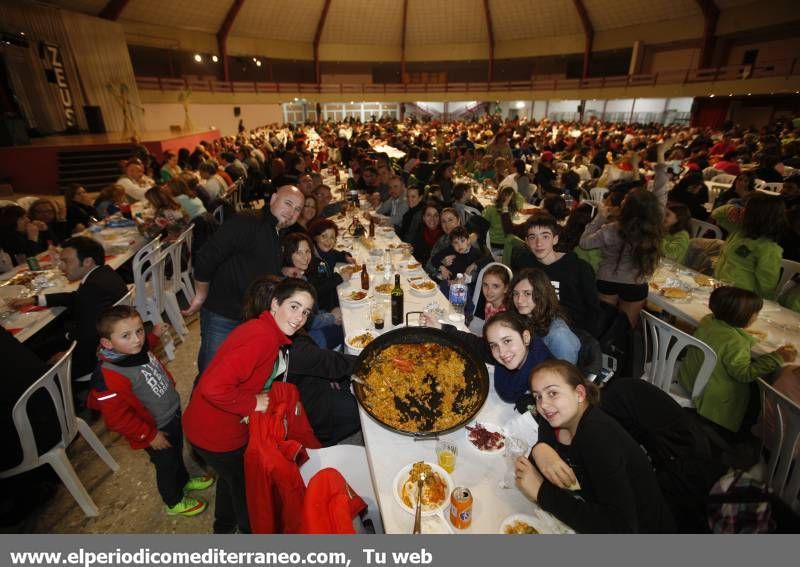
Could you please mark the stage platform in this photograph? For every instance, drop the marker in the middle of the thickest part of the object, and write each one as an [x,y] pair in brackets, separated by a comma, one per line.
[46,165]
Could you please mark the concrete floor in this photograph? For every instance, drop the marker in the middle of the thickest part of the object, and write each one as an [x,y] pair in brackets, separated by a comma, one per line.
[128,499]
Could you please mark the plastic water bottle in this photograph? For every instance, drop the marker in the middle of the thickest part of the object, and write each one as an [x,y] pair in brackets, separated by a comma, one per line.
[458,294]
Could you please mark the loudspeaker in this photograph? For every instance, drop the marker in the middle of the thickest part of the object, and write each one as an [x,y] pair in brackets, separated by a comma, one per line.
[237,111]
[13,131]
[94,119]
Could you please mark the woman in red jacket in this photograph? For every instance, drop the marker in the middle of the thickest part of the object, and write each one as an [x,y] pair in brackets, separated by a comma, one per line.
[236,383]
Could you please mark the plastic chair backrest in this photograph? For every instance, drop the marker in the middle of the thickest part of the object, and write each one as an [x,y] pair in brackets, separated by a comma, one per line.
[172,255]
[143,252]
[479,280]
[598,193]
[723,179]
[770,188]
[666,343]
[699,228]
[783,468]
[151,305]
[219,214]
[127,299]
[789,268]
[58,383]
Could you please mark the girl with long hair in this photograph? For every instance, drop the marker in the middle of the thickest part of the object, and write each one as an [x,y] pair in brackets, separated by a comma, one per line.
[613,487]
[630,247]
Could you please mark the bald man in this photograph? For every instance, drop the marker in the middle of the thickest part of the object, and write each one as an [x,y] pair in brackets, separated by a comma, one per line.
[245,247]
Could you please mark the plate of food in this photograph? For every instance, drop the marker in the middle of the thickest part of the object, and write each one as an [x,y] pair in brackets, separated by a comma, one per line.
[354,297]
[9,292]
[704,281]
[359,339]
[422,287]
[675,293]
[486,438]
[410,267]
[531,524]
[349,271]
[399,246]
[384,288]
[436,488]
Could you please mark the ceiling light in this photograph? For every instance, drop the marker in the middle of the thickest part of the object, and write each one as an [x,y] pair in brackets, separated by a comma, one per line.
[258,63]
[198,57]
[748,94]
[254,59]
[730,94]
[214,58]
[711,96]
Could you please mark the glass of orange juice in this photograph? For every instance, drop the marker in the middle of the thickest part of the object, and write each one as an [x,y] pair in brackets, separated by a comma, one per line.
[446,453]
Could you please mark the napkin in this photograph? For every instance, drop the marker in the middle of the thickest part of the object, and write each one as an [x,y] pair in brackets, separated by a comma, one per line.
[14,330]
[30,308]
[525,428]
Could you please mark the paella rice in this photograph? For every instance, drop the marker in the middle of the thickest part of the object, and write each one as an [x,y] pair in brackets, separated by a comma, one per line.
[419,387]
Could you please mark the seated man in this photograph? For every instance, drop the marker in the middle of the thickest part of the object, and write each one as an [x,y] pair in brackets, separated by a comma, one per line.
[325,204]
[83,260]
[396,205]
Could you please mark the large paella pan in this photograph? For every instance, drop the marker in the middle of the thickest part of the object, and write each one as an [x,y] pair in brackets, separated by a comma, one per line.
[420,381]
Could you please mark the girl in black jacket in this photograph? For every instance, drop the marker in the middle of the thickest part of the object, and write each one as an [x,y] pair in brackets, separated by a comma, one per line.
[607,483]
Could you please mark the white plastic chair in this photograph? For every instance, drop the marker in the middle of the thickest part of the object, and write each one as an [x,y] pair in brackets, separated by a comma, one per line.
[783,468]
[699,228]
[185,283]
[26,202]
[724,179]
[351,461]
[771,188]
[478,327]
[128,298]
[789,268]
[172,285]
[666,343]
[219,214]
[598,193]
[58,384]
[497,253]
[149,282]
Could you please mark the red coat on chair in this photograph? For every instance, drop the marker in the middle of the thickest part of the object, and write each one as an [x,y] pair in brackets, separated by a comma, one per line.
[330,504]
[278,440]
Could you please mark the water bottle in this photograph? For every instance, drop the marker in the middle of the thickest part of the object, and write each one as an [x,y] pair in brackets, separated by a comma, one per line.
[458,294]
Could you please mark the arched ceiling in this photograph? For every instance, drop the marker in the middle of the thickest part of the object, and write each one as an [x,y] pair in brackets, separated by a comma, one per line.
[379,23]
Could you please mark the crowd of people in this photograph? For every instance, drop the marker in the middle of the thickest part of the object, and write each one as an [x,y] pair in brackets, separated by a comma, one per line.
[573,279]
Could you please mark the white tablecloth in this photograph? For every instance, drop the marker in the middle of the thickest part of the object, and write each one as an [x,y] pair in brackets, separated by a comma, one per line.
[388,451]
[781,325]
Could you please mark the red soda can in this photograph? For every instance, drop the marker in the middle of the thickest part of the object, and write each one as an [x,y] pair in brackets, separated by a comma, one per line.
[461,508]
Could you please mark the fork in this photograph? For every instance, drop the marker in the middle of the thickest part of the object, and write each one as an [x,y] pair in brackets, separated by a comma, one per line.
[418,513]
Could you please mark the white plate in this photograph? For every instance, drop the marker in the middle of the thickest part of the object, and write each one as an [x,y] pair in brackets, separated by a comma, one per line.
[384,293]
[400,479]
[13,291]
[410,267]
[423,292]
[345,297]
[357,332]
[490,427]
[353,276]
[544,523]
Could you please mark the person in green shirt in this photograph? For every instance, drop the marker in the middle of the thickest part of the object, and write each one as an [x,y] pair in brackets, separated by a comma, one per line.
[751,257]
[676,226]
[725,398]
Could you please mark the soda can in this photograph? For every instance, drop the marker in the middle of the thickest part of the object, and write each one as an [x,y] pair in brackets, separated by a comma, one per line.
[33,264]
[461,508]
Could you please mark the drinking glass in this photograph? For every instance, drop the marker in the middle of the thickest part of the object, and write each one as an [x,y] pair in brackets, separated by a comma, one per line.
[515,448]
[378,314]
[446,454]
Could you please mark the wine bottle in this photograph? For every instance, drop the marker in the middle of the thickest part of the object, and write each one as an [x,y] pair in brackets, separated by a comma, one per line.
[397,301]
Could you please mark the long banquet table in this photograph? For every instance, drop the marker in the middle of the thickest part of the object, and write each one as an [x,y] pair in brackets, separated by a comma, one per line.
[388,451]
[121,244]
[780,325]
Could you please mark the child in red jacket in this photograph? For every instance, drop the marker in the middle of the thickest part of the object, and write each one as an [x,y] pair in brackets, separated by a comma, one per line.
[137,397]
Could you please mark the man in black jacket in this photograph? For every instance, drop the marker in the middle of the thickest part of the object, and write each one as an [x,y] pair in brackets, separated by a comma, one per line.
[83,260]
[244,248]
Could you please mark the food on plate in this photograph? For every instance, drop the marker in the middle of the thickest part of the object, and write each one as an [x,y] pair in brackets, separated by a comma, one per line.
[413,266]
[434,489]
[654,285]
[362,340]
[703,280]
[425,285]
[379,267]
[674,293]
[755,333]
[25,278]
[350,269]
[419,387]
[384,288]
[399,246]
[484,439]
[356,295]
[520,527]
[367,242]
